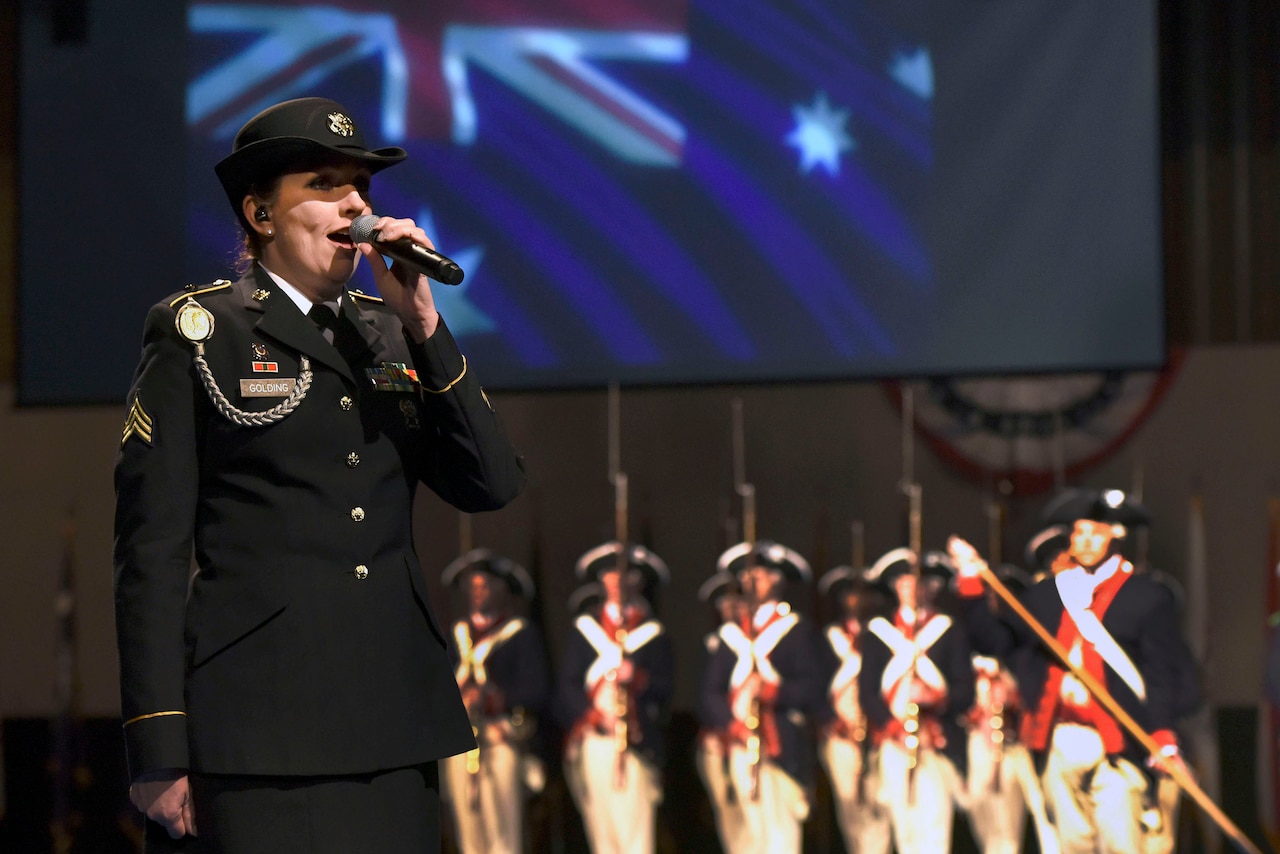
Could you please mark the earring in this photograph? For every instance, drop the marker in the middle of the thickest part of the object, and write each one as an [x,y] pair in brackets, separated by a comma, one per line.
[271,232]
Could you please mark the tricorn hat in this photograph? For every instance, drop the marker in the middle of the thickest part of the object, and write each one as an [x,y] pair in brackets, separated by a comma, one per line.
[894,562]
[585,598]
[484,560]
[1113,506]
[717,585]
[607,556]
[840,578]
[1014,577]
[289,135]
[1046,545]
[766,553]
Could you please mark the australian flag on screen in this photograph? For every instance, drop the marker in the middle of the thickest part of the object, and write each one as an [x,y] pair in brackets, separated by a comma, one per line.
[646,192]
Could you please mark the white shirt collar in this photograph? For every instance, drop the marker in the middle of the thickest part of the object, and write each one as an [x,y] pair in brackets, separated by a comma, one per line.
[301,300]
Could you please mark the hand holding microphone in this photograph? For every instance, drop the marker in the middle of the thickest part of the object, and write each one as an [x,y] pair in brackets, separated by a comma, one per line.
[424,259]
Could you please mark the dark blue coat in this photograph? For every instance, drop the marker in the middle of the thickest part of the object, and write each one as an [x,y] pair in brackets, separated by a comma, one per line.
[654,664]
[1142,618]
[951,654]
[802,669]
[516,671]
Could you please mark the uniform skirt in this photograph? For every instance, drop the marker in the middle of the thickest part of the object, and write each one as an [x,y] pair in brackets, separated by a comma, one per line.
[385,812]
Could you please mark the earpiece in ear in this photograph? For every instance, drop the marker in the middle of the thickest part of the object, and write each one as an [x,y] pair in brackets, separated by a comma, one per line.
[261,215]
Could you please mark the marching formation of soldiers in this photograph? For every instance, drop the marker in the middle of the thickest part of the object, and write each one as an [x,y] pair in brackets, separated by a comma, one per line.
[1041,701]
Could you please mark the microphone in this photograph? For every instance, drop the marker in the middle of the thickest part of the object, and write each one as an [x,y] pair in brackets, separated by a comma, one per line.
[421,258]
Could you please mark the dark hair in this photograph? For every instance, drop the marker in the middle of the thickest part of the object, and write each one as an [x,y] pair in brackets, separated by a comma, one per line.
[268,192]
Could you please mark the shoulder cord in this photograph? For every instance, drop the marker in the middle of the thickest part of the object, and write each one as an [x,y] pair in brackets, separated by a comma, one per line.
[253,419]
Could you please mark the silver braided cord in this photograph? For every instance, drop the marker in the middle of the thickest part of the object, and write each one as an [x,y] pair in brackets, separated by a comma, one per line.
[253,419]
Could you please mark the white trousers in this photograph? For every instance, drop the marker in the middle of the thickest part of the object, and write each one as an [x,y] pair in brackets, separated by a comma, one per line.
[1096,803]
[618,819]
[488,807]
[864,822]
[772,819]
[712,760]
[997,813]
[920,811]
[1168,796]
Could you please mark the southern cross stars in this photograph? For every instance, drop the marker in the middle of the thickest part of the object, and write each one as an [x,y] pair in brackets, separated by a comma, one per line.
[820,135]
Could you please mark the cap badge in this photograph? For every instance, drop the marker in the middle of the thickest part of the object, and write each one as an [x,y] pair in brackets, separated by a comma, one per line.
[341,125]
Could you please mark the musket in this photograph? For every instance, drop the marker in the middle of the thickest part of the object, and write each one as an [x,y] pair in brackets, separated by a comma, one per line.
[747,492]
[622,690]
[997,719]
[915,539]
[858,565]
[1179,773]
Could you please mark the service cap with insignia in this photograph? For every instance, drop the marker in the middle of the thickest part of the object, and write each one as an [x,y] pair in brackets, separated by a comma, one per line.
[286,137]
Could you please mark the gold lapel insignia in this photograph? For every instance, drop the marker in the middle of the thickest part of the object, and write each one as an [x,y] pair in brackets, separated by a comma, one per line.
[261,294]
[410,413]
[137,423]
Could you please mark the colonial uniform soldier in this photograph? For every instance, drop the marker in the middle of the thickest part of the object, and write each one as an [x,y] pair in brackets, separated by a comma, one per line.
[1121,628]
[723,593]
[762,686]
[614,691]
[1002,782]
[916,682]
[843,743]
[501,670]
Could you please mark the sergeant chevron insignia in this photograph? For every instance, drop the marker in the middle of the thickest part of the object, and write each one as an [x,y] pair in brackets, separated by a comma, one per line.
[137,423]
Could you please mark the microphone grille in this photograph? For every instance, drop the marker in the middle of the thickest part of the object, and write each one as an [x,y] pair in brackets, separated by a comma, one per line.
[362,228]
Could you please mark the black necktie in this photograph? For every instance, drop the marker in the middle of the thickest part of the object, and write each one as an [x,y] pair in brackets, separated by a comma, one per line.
[337,332]
[324,318]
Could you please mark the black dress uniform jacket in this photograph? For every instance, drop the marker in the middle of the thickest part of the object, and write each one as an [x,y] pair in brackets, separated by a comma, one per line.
[304,644]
